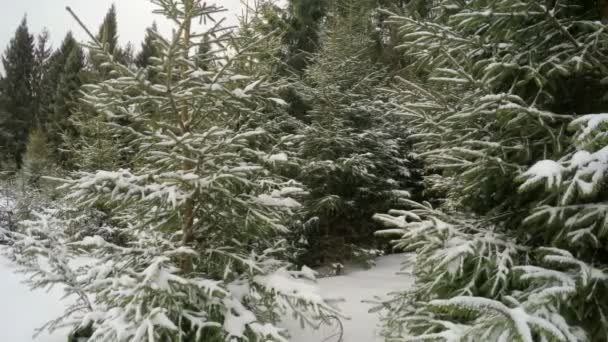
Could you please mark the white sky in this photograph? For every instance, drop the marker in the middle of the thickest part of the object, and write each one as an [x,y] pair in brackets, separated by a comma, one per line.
[134,16]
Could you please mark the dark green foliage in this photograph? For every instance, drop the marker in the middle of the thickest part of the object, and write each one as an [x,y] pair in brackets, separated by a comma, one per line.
[148,48]
[17,90]
[58,61]
[39,90]
[301,36]
[303,21]
[355,152]
[6,134]
[298,107]
[108,38]
[82,333]
[41,85]
[108,31]
[62,80]
[68,85]
[66,94]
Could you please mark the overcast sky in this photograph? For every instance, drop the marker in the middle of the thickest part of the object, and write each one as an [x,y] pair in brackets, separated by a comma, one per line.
[133,17]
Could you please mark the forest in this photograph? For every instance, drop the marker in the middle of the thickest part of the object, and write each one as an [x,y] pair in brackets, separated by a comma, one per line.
[190,187]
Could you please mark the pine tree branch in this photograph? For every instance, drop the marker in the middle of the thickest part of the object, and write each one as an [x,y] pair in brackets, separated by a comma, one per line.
[82,25]
[560,27]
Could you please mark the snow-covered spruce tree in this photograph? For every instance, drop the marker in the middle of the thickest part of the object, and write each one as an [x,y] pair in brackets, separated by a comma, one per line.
[489,85]
[492,88]
[198,211]
[355,154]
[86,143]
[263,61]
[91,146]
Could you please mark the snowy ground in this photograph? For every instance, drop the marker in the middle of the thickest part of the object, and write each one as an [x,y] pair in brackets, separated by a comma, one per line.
[359,290]
[22,310]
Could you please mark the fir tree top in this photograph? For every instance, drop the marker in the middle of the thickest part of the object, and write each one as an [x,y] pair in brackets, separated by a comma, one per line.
[108,31]
[18,62]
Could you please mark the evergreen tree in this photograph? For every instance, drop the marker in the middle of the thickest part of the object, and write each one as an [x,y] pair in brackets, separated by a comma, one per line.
[302,24]
[354,151]
[108,31]
[68,85]
[108,37]
[92,147]
[148,49]
[490,91]
[66,96]
[148,55]
[63,79]
[58,60]
[18,61]
[306,16]
[200,213]
[5,132]
[41,87]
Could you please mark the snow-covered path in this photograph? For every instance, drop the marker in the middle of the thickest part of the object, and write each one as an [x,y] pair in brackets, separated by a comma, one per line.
[357,289]
[22,310]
